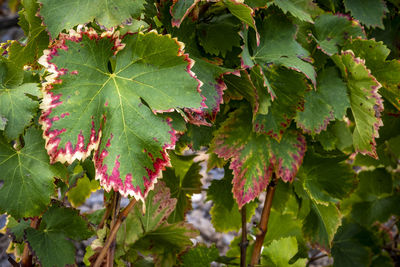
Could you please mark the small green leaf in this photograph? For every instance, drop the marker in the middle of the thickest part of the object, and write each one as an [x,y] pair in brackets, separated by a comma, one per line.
[74,12]
[180,9]
[83,189]
[327,179]
[242,12]
[289,88]
[280,252]
[278,230]
[329,102]
[332,31]
[350,246]
[224,206]
[27,175]
[369,12]
[278,45]
[366,103]
[200,256]
[301,9]
[387,72]
[57,226]
[183,180]
[211,39]
[17,229]
[37,37]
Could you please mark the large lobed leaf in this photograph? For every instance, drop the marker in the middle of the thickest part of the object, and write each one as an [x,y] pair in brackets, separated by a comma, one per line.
[366,104]
[255,157]
[28,177]
[92,104]
[369,12]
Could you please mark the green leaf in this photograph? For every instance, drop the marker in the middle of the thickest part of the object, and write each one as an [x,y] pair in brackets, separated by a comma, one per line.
[27,175]
[321,223]
[17,229]
[83,189]
[65,14]
[107,114]
[180,9]
[211,39]
[278,230]
[37,37]
[242,12]
[338,135]
[387,72]
[254,157]
[366,103]
[200,256]
[17,108]
[278,45]
[327,179]
[332,31]
[56,226]
[289,88]
[183,180]
[224,206]
[369,12]
[350,246]
[301,9]
[329,102]
[279,253]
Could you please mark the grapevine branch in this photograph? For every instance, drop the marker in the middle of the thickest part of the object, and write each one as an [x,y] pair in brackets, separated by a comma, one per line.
[244,243]
[121,218]
[26,260]
[263,226]
[116,206]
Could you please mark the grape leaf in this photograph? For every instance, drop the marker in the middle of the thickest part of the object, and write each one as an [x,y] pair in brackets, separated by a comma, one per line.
[289,88]
[183,180]
[17,107]
[278,45]
[366,103]
[321,223]
[65,14]
[369,12]
[211,39]
[180,9]
[37,37]
[292,226]
[301,9]
[27,176]
[83,189]
[200,256]
[387,72]
[327,179]
[106,114]
[57,226]
[224,206]
[332,31]
[254,157]
[328,103]
[17,229]
[350,246]
[280,252]
[242,12]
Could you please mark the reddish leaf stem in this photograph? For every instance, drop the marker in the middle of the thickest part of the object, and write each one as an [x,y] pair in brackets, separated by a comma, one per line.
[26,260]
[244,243]
[121,217]
[263,226]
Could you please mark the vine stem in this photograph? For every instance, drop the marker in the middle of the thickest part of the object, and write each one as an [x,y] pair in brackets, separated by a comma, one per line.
[26,260]
[121,218]
[263,226]
[115,208]
[244,243]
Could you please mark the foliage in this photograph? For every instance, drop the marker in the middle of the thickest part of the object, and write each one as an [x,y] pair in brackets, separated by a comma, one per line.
[301,95]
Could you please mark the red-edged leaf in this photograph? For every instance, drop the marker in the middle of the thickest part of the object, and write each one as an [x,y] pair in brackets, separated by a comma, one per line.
[89,107]
[254,157]
[180,9]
